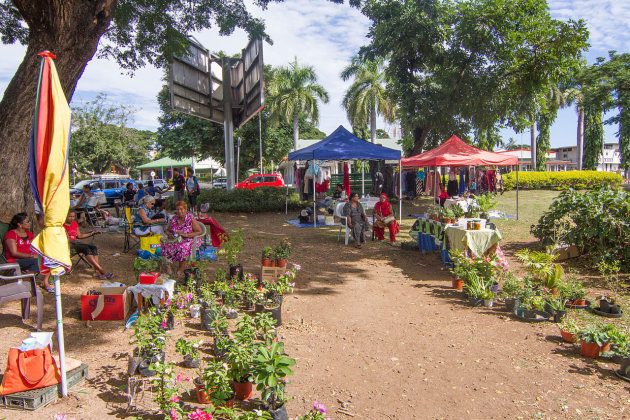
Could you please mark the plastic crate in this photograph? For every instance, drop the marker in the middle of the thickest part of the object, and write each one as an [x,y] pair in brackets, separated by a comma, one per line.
[37,398]
[207,253]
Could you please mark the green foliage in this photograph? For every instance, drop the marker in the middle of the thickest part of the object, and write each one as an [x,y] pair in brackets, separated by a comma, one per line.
[485,202]
[511,286]
[294,90]
[600,334]
[367,97]
[543,142]
[593,135]
[600,219]
[185,347]
[217,382]
[148,265]
[101,138]
[148,335]
[233,246]
[541,267]
[271,367]
[257,200]
[562,180]
[456,66]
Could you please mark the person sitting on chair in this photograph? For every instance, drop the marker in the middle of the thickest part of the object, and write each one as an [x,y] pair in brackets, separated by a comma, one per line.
[90,251]
[144,216]
[356,218]
[17,243]
[183,225]
[339,193]
[140,193]
[384,214]
[87,198]
[127,199]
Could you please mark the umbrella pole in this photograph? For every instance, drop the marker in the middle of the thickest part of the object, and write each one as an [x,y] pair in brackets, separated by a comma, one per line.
[60,345]
[286,202]
[400,190]
[314,204]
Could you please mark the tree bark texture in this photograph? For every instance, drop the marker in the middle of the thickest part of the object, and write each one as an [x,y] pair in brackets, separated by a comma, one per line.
[69,29]
[580,139]
[419,137]
[296,131]
[532,133]
[373,121]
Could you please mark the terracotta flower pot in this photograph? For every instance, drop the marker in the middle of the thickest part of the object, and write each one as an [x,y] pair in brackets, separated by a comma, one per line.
[203,396]
[555,291]
[458,284]
[591,350]
[579,302]
[273,263]
[281,263]
[266,262]
[243,390]
[568,337]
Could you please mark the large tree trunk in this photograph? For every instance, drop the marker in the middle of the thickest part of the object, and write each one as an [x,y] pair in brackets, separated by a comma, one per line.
[71,30]
[532,133]
[296,130]
[580,138]
[419,137]
[373,121]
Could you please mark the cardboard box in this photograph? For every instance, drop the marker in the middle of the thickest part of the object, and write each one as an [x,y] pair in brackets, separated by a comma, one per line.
[112,304]
[566,252]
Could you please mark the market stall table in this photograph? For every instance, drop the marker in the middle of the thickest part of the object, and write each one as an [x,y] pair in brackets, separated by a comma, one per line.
[477,241]
[464,203]
[156,292]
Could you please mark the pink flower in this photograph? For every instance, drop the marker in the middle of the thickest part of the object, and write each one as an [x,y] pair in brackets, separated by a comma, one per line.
[174,398]
[297,267]
[174,414]
[179,378]
[163,325]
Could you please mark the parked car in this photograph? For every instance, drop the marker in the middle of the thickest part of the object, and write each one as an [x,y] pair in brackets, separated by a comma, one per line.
[264,180]
[219,183]
[160,184]
[113,188]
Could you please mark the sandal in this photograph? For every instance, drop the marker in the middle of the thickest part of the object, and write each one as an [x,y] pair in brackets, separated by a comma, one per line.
[358,246]
[48,289]
[105,276]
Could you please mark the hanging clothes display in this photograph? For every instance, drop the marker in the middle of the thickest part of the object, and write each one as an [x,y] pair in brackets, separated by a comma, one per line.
[420,182]
[462,181]
[452,189]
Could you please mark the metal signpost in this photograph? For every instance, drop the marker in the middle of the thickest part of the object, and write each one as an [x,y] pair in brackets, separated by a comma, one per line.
[198,81]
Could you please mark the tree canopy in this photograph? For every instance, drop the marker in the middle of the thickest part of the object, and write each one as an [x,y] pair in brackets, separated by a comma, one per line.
[458,66]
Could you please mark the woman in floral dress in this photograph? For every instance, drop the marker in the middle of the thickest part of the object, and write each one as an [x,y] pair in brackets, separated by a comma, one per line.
[183,225]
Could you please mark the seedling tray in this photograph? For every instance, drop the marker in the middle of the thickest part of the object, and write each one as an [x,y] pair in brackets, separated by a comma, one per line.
[37,398]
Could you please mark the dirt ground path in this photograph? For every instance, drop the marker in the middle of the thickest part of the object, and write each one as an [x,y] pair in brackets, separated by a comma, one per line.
[377,334]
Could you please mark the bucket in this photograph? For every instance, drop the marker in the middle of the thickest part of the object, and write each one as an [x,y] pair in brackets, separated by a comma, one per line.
[329,220]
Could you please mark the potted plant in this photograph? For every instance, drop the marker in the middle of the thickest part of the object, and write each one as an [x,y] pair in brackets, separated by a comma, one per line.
[213,386]
[190,351]
[457,212]
[240,357]
[557,308]
[148,336]
[283,251]
[510,291]
[573,291]
[476,288]
[271,367]
[167,388]
[569,329]
[449,215]
[608,304]
[265,326]
[621,350]
[594,339]
[485,203]
[233,246]
[266,256]
[488,298]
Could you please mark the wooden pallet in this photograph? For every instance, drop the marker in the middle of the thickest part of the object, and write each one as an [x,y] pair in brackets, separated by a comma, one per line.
[37,398]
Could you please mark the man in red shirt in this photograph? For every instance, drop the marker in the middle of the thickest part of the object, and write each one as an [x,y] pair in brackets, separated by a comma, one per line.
[90,251]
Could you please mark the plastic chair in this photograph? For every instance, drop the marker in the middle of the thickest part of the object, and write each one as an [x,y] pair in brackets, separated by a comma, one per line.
[131,240]
[204,232]
[21,287]
[343,221]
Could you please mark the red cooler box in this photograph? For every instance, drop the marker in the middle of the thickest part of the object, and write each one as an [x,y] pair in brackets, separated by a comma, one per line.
[148,278]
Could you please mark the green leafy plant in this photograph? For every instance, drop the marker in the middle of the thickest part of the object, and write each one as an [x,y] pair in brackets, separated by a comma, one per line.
[188,348]
[265,325]
[475,286]
[610,272]
[283,284]
[267,252]
[487,295]
[595,333]
[148,265]
[572,289]
[271,367]
[217,382]
[557,303]
[148,335]
[167,389]
[240,357]
[485,202]
[318,412]
[457,211]
[511,286]
[562,180]
[233,246]
[570,325]
[245,332]
[283,249]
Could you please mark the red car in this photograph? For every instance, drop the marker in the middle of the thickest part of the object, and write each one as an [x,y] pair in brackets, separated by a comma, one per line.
[264,180]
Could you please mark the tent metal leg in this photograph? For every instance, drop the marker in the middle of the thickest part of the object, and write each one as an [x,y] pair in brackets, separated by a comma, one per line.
[517,193]
[400,191]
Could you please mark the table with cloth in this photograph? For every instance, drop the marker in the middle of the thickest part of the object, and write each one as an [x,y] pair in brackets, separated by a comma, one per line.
[477,241]
[464,203]
[155,292]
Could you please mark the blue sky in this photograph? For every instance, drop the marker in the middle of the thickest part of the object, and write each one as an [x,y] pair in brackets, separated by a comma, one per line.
[326,36]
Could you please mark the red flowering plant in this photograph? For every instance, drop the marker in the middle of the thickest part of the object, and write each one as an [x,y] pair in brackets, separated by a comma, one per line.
[487,269]
[283,249]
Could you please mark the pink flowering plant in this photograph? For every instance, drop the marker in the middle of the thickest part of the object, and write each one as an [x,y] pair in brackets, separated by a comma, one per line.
[283,249]
[486,268]
[285,283]
[318,412]
[265,326]
[148,334]
[168,386]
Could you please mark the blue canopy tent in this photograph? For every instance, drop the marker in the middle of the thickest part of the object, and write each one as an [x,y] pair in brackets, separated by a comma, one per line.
[343,145]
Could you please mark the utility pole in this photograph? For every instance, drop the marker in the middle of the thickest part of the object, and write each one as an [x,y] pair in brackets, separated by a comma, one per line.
[228,124]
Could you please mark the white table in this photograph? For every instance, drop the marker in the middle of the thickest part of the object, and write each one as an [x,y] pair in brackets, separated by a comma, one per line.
[464,203]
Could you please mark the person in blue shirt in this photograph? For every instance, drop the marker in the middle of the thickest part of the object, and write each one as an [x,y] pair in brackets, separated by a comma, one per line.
[141,192]
[192,188]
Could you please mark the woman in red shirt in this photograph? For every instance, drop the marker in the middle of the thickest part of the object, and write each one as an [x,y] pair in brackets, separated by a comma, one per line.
[90,251]
[17,244]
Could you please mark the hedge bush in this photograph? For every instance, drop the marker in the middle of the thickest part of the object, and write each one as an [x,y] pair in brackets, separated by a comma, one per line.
[258,200]
[596,221]
[563,180]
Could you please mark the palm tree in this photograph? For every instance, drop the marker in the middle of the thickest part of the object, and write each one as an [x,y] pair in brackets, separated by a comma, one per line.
[367,96]
[575,95]
[294,90]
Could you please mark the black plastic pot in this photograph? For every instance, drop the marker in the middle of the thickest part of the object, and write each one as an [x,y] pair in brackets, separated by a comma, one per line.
[236,270]
[190,362]
[532,315]
[279,414]
[231,314]
[511,304]
[132,366]
[191,273]
[144,366]
[618,312]
[559,315]
[259,307]
[170,321]
[207,317]
[475,301]
[276,313]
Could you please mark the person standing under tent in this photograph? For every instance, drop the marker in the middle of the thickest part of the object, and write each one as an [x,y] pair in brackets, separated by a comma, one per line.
[179,186]
[192,189]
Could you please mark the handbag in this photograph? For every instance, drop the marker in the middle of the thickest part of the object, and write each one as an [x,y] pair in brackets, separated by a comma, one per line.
[27,370]
[387,220]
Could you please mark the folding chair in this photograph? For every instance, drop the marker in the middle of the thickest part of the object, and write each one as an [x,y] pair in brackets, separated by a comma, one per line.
[131,240]
[343,221]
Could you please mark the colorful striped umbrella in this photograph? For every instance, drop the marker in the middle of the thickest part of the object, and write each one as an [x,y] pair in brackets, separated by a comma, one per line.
[48,169]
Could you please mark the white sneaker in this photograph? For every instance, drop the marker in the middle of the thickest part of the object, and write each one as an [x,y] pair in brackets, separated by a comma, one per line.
[393,243]
[381,240]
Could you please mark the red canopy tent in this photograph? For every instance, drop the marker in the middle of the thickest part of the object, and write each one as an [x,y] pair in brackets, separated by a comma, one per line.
[456,152]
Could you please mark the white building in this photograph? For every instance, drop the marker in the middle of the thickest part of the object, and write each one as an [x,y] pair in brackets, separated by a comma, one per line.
[609,161]
[554,163]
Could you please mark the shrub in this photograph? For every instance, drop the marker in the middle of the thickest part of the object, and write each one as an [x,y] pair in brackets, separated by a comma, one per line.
[260,199]
[578,180]
[599,223]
